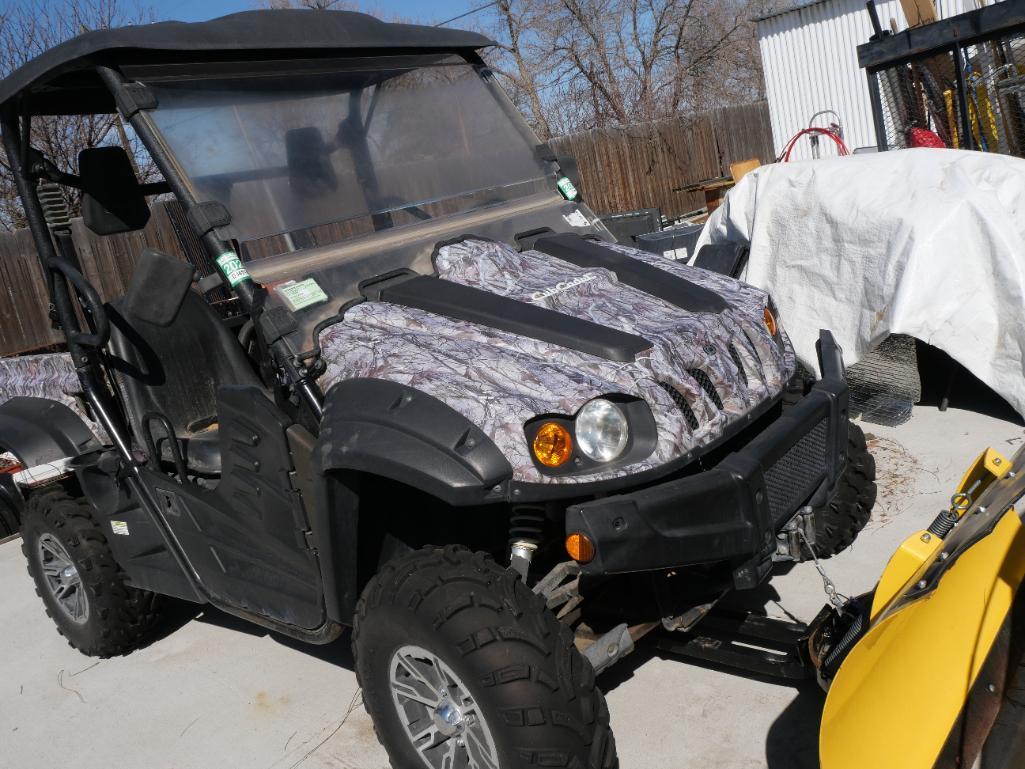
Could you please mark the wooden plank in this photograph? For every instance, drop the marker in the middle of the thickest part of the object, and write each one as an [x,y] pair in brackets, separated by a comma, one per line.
[918,12]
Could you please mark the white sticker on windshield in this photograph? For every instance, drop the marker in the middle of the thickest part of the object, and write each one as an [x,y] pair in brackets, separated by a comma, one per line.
[576,219]
[119,527]
[298,294]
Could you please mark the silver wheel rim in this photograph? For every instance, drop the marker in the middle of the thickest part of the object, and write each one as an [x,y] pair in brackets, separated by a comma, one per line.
[440,716]
[63,579]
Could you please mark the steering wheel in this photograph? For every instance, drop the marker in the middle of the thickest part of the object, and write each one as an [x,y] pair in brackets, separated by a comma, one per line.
[91,303]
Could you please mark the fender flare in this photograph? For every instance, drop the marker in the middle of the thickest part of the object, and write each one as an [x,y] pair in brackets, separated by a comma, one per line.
[393,431]
[398,432]
[40,430]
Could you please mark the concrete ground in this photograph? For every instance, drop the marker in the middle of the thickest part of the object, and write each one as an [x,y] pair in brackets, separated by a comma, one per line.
[214,692]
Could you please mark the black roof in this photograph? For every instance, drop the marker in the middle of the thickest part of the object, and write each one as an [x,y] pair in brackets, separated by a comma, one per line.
[62,79]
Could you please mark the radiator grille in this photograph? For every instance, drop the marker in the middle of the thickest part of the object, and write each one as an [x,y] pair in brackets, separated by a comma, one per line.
[739,363]
[681,403]
[795,476]
[706,384]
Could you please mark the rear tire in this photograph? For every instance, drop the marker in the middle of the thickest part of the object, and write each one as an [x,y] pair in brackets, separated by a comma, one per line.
[8,521]
[82,588]
[523,696]
[841,519]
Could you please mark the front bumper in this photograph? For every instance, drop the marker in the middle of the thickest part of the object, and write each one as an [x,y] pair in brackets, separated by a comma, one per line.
[733,511]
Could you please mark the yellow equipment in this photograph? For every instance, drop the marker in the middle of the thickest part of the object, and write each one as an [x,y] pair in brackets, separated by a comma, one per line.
[926,671]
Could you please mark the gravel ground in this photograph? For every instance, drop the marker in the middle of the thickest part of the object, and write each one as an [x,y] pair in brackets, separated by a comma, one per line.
[212,691]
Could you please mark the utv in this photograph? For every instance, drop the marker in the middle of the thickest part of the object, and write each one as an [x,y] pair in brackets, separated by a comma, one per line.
[442,405]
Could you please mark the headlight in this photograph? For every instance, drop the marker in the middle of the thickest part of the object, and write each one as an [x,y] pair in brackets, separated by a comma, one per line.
[601,430]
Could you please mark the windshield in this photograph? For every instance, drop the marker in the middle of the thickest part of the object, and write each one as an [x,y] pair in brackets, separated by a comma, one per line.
[332,150]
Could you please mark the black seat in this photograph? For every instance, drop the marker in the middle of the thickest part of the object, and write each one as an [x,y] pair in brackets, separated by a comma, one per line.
[175,370]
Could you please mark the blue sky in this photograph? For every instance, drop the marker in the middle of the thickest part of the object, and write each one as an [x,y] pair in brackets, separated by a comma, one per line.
[200,10]
[417,10]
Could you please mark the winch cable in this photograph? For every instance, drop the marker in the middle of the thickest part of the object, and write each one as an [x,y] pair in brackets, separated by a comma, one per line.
[838,601]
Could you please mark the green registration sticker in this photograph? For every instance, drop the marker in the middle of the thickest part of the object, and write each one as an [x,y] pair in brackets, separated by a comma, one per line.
[232,268]
[301,293]
[567,188]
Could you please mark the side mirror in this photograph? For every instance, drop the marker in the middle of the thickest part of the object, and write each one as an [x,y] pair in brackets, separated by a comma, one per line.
[310,173]
[112,198]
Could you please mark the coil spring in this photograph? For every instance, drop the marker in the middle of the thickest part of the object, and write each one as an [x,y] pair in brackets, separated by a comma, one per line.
[944,524]
[843,646]
[526,524]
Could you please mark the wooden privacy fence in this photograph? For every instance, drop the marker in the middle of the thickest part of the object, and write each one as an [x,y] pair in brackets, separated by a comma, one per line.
[644,165]
[106,261]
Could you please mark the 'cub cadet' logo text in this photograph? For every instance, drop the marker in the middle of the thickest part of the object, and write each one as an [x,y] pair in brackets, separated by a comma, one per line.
[565,285]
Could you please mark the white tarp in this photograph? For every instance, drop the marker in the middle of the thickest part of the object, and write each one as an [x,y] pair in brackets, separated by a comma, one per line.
[924,242]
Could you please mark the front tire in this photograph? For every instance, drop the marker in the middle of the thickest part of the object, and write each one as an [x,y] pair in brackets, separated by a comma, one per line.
[461,664]
[841,519]
[81,586]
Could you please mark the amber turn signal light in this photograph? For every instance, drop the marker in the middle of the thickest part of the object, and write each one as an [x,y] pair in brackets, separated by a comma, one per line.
[770,322]
[579,547]
[552,444]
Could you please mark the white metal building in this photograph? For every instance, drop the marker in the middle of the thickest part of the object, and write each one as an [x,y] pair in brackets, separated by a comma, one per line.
[810,61]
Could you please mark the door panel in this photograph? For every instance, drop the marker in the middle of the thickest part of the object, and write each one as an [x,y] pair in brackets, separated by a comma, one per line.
[246,539]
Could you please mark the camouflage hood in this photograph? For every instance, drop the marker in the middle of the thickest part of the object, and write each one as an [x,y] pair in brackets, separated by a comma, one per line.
[703,370]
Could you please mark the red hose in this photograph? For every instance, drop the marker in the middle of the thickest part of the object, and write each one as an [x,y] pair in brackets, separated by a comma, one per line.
[784,156]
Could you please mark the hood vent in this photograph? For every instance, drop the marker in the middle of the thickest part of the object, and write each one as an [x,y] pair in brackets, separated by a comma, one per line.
[706,384]
[681,402]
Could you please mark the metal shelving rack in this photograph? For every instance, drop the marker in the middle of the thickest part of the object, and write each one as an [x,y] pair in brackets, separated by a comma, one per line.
[962,78]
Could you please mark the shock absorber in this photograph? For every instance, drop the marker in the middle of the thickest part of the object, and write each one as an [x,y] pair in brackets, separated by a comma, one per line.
[55,207]
[526,528]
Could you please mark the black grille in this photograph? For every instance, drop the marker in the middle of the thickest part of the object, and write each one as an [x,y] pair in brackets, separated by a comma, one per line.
[795,476]
[739,363]
[681,402]
[706,384]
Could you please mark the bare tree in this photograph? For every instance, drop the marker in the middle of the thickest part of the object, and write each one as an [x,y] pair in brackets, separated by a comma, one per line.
[28,29]
[315,5]
[570,65]
[340,5]
[576,64]
[523,75]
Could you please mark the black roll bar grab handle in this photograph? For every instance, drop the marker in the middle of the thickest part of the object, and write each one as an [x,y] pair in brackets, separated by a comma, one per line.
[171,438]
[91,303]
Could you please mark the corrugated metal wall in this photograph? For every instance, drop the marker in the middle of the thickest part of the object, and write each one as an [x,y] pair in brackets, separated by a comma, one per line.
[810,62]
